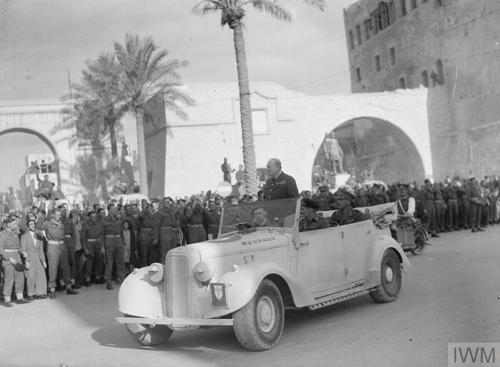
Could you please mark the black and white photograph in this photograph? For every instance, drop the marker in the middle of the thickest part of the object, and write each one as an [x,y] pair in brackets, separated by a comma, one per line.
[212,183]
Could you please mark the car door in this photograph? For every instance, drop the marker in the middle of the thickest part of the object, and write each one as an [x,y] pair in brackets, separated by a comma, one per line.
[320,261]
[356,238]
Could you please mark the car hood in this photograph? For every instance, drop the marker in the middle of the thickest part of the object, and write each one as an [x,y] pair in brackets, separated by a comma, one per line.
[260,240]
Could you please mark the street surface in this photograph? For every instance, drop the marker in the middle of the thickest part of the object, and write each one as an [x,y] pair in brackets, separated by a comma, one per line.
[451,294]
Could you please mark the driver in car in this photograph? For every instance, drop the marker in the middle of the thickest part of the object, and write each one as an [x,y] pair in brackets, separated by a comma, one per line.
[260,218]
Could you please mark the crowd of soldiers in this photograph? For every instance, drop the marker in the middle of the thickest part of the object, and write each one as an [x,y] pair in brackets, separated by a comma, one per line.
[458,203]
[66,249]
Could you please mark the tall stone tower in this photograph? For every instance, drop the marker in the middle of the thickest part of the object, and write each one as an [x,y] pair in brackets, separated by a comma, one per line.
[452,47]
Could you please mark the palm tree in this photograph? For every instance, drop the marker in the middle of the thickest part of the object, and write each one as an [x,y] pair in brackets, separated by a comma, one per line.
[232,14]
[99,93]
[146,72]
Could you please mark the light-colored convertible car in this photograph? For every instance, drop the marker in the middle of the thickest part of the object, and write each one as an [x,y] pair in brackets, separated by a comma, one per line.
[249,275]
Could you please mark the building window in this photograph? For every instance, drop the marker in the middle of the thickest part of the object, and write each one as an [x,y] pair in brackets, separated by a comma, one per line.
[402,83]
[358,74]
[382,17]
[403,7]
[392,11]
[259,122]
[413,4]
[392,54]
[440,72]
[358,34]
[377,63]
[425,78]
[351,40]
[367,28]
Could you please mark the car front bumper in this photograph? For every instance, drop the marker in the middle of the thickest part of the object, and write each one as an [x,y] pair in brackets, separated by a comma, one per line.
[175,323]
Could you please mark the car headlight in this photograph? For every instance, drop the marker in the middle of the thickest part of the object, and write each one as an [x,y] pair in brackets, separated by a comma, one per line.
[157,270]
[202,273]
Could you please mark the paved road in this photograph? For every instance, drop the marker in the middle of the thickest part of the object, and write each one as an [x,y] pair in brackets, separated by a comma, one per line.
[451,294]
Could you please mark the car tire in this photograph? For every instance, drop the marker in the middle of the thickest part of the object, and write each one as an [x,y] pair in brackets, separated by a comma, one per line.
[390,278]
[259,324]
[420,237]
[149,335]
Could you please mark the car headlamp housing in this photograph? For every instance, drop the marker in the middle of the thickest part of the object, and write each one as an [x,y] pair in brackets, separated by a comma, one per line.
[157,270]
[202,273]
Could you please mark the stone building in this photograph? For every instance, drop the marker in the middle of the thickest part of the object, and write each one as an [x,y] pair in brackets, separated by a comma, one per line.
[450,46]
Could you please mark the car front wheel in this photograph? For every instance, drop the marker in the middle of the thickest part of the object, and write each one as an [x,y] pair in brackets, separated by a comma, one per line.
[390,278]
[259,324]
[149,335]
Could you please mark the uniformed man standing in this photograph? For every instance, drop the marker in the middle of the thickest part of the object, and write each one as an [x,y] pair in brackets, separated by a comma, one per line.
[57,254]
[166,229]
[11,261]
[451,197]
[279,185]
[196,217]
[113,244]
[428,199]
[475,206]
[213,219]
[146,236]
[69,243]
[93,247]
[440,208]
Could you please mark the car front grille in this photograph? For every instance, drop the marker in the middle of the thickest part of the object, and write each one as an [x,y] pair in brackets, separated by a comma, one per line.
[177,286]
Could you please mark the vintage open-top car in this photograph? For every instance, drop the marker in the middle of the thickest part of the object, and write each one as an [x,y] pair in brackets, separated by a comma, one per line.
[249,275]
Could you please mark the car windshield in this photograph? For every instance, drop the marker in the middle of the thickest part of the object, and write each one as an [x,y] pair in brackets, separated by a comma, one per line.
[272,213]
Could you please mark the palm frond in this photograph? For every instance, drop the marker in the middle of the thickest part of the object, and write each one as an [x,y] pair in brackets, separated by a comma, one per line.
[274,8]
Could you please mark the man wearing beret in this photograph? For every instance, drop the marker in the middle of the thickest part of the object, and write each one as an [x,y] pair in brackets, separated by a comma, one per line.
[279,185]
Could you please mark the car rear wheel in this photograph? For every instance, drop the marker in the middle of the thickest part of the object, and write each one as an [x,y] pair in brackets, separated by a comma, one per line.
[390,278]
[259,324]
[149,335]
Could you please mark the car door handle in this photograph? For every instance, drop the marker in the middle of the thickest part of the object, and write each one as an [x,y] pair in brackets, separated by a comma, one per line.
[306,243]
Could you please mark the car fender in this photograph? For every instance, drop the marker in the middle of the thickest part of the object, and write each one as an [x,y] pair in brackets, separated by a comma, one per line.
[140,296]
[242,284]
[377,250]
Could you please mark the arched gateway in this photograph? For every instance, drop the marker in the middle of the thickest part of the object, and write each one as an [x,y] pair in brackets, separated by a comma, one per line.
[368,148]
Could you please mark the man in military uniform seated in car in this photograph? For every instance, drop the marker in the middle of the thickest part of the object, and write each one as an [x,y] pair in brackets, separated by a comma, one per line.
[309,218]
[345,214]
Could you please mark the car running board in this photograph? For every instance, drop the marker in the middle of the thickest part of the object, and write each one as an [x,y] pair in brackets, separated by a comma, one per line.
[339,297]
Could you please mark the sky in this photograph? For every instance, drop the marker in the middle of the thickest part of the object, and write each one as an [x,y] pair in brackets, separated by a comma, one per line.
[41,40]
[43,43]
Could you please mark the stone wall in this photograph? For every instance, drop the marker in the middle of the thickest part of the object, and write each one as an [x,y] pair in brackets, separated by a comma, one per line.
[463,108]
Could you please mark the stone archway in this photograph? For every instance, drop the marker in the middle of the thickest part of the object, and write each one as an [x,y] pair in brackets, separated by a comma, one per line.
[50,168]
[372,148]
[43,139]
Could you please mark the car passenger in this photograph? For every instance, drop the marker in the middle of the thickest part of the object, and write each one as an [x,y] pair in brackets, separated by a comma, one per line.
[309,218]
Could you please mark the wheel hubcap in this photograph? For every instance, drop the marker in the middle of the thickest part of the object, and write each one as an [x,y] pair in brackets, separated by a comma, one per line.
[389,275]
[266,315]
